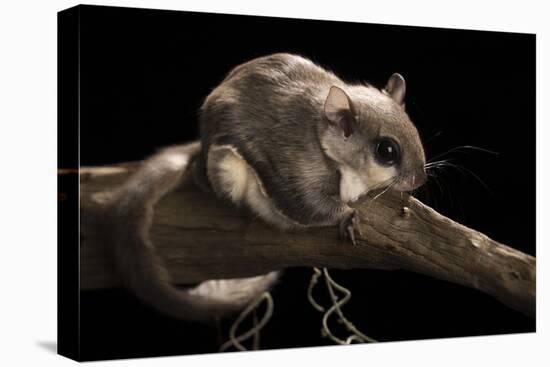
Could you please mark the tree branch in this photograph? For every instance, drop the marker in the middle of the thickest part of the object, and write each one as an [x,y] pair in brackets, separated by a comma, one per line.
[202,238]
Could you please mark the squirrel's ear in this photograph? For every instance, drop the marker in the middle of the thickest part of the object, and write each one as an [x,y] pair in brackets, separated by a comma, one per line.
[395,87]
[338,110]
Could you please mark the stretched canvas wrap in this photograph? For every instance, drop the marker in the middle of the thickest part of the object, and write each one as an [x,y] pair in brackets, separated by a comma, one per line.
[232,183]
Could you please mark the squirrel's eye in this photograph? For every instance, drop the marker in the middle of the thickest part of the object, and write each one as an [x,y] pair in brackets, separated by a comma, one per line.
[387,151]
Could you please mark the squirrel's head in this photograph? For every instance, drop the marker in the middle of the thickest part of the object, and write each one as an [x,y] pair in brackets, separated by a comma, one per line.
[369,134]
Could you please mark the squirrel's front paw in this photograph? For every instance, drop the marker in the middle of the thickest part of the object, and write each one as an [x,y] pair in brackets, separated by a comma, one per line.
[350,225]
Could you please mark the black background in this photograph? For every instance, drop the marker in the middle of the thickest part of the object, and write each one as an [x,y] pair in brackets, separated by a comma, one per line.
[144,74]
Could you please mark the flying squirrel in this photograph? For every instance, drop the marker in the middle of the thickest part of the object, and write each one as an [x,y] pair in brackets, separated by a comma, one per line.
[291,142]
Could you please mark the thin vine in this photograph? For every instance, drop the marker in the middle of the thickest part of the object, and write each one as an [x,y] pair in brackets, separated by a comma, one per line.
[356,335]
[235,341]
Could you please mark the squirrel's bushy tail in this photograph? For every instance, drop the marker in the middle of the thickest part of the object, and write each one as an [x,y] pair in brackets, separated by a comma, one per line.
[137,261]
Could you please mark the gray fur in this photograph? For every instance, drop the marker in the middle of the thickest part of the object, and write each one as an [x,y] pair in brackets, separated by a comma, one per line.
[274,115]
[271,110]
[137,262]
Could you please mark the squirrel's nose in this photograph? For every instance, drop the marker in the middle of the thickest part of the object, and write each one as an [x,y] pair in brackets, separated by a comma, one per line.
[420,178]
[413,181]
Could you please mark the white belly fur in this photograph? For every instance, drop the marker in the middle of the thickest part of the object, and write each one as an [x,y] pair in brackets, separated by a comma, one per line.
[233,178]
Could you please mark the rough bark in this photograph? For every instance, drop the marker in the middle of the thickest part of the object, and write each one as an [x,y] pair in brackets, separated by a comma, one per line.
[202,238]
